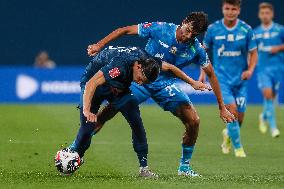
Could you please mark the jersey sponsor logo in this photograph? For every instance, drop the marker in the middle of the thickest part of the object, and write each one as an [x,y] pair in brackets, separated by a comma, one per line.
[230,37]
[114,72]
[160,55]
[164,44]
[274,34]
[263,48]
[147,25]
[222,37]
[222,52]
[123,49]
[240,37]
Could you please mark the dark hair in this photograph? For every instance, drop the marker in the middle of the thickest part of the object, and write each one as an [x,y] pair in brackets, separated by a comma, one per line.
[266,5]
[198,20]
[151,68]
[233,2]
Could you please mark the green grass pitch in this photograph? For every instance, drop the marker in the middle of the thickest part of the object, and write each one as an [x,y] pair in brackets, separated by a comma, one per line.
[30,135]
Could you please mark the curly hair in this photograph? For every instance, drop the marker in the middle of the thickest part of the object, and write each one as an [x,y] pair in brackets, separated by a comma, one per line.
[198,20]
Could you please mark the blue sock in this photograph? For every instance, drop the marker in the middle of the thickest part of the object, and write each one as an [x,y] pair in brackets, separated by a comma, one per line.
[269,113]
[234,133]
[186,157]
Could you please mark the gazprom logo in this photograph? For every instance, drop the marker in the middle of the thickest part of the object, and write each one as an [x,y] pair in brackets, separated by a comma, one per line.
[26,86]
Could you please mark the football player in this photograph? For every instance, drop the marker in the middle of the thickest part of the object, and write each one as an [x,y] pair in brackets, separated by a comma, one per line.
[270,68]
[234,59]
[177,45]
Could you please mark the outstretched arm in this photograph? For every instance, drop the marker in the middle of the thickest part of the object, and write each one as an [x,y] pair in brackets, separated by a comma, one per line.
[225,115]
[128,30]
[180,74]
[90,88]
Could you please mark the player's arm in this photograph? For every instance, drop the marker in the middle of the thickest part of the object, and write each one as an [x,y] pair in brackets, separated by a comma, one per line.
[225,115]
[90,88]
[252,61]
[197,85]
[277,49]
[128,30]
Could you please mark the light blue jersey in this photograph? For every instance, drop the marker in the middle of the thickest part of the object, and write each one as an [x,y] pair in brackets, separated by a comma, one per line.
[267,38]
[230,47]
[162,43]
[270,66]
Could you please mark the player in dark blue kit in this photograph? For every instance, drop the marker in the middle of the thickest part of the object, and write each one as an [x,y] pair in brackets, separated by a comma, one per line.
[178,45]
[108,77]
[270,40]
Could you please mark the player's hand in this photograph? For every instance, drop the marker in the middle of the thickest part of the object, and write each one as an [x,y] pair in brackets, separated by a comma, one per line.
[274,50]
[226,116]
[246,75]
[198,85]
[90,116]
[94,49]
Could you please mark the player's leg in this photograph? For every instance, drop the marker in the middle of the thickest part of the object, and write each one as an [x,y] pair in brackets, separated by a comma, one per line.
[173,99]
[109,111]
[235,104]
[131,113]
[240,94]
[106,114]
[268,113]
[86,130]
[269,83]
[189,117]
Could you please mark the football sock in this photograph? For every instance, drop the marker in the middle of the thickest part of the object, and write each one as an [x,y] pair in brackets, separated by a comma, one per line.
[234,133]
[186,157]
[269,113]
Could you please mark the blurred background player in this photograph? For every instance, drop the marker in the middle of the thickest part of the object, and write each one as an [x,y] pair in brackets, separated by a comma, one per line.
[42,60]
[108,77]
[234,59]
[270,68]
[178,45]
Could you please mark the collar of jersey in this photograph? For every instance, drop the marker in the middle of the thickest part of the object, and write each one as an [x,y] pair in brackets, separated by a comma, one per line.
[230,29]
[267,28]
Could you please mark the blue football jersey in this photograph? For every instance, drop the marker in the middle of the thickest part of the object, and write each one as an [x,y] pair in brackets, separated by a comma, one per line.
[116,64]
[267,38]
[162,43]
[230,47]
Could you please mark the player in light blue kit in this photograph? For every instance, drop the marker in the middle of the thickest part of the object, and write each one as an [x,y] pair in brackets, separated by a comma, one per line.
[232,43]
[178,45]
[270,68]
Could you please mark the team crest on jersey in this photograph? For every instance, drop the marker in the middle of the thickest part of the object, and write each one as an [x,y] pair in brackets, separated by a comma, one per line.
[147,25]
[173,50]
[113,73]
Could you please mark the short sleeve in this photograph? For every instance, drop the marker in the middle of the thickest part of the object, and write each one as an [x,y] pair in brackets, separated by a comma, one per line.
[202,58]
[207,41]
[150,29]
[251,41]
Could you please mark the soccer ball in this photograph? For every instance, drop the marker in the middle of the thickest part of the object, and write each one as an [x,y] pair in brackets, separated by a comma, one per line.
[67,161]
